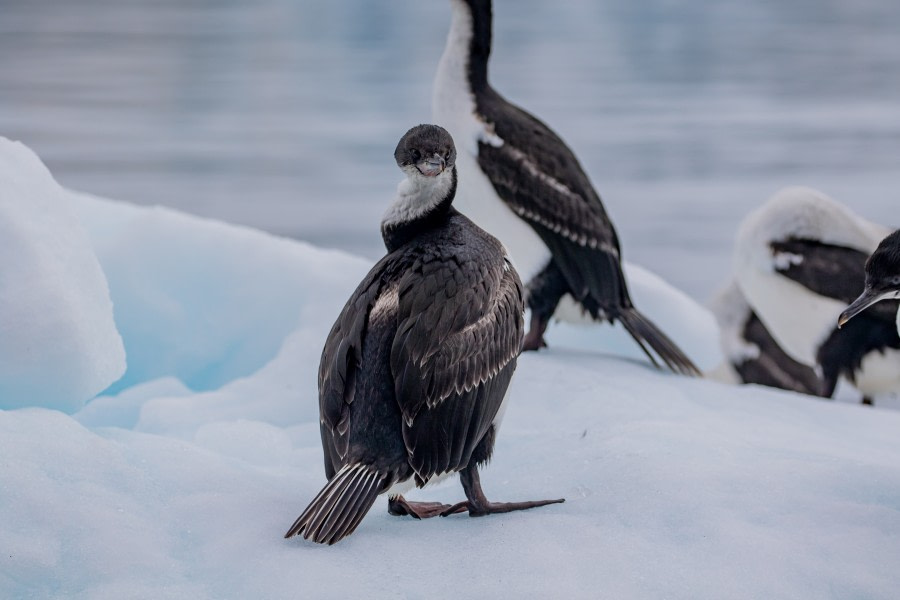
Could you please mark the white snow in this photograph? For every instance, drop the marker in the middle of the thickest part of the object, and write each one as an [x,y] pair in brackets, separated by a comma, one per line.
[205,301]
[181,483]
[58,343]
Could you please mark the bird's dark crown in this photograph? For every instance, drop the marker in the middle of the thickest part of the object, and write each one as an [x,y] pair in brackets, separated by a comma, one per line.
[425,141]
[883,267]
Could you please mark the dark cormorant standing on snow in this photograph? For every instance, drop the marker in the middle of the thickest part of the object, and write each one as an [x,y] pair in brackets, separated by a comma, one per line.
[414,374]
[522,183]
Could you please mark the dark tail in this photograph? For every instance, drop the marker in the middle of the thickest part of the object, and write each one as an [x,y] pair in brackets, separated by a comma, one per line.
[645,333]
[336,511]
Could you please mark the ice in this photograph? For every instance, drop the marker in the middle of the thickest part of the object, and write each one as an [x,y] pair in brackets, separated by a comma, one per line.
[675,488]
[58,343]
[180,482]
[205,301]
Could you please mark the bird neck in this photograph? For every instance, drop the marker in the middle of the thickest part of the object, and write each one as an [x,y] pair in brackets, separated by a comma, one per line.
[422,204]
[469,43]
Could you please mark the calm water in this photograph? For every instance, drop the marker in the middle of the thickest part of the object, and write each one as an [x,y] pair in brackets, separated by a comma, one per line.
[283,114]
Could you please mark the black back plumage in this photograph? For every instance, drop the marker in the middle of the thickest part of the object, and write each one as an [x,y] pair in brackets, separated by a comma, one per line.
[828,270]
[453,340]
[539,178]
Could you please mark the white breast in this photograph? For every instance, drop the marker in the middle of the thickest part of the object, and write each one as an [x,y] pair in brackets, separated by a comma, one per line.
[879,373]
[476,198]
[416,196]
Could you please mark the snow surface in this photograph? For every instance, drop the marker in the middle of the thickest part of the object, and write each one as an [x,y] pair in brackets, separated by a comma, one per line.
[180,482]
[58,342]
[205,301]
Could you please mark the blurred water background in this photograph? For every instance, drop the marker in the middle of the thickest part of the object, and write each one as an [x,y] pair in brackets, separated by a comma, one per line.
[283,114]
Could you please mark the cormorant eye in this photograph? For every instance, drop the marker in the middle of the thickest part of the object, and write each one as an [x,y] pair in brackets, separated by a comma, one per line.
[415,154]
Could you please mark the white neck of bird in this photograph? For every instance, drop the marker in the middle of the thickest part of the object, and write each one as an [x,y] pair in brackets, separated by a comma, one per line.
[455,59]
[452,91]
[417,195]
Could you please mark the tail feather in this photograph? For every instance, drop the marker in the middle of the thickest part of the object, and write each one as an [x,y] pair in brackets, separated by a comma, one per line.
[645,333]
[336,511]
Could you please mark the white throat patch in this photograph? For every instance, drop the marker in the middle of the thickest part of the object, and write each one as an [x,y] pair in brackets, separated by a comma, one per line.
[417,195]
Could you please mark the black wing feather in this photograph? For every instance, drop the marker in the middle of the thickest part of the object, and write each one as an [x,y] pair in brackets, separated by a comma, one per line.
[829,270]
[454,353]
[338,367]
[532,157]
[826,269]
[572,224]
[459,329]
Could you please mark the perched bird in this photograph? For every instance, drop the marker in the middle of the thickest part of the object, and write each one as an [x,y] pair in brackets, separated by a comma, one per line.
[414,374]
[882,279]
[523,184]
[752,354]
[799,261]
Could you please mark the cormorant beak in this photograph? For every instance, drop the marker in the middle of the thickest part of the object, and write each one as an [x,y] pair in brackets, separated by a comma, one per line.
[431,166]
[865,300]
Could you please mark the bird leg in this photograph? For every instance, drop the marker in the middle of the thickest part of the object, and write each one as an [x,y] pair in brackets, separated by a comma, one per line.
[545,291]
[400,506]
[478,505]
[534,339]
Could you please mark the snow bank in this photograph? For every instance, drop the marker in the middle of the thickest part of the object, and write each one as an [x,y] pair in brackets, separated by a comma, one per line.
[58,343]
[204,301]
[675,488]
[180,482]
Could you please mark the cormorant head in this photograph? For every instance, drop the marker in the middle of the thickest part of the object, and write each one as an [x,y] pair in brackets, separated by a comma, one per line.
[425,151]
[882,277]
